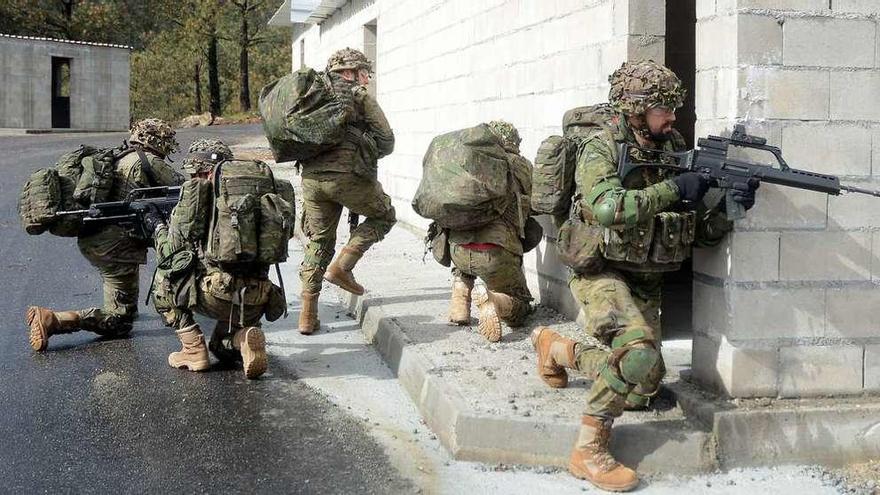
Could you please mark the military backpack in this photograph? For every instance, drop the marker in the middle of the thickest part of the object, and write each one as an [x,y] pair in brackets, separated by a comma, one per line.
[253,215]
[303,116]
[555,163]
[466,179]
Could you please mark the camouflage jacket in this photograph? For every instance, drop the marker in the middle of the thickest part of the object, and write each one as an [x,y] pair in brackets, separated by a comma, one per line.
[640,196]
[113,243]
[507,231]
[368,139]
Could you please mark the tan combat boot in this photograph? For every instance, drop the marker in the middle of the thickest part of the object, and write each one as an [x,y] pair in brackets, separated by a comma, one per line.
[555,353]
[590,460]
[194,353]
[493,307]
[44,323]
[252,344]
[339,271]
[308,315]
[460,303]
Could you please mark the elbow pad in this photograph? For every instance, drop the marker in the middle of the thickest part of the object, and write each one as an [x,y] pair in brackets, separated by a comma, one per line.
[606,210]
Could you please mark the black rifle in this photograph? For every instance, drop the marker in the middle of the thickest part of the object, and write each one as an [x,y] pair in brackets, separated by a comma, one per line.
[712,159]
[129,212]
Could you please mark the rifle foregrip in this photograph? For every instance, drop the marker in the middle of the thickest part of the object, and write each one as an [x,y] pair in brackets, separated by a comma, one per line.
[735,211]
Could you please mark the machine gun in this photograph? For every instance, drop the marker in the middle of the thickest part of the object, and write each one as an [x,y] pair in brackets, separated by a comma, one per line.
[712,158]
[129,213]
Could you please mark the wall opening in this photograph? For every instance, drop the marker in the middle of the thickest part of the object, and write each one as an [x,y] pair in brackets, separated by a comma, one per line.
[681,22]
[60,92]
[370,51]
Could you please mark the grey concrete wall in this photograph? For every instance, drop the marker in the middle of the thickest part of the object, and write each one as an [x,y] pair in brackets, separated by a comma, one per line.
[786,307]
[99,85]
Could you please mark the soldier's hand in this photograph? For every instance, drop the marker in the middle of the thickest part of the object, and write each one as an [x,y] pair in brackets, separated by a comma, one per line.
[692,186]
[744,192]
[152,219]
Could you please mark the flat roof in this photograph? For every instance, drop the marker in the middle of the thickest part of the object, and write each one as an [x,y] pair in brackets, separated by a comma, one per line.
[72,42]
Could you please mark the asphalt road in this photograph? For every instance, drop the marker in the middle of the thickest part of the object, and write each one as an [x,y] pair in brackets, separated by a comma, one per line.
[93,416]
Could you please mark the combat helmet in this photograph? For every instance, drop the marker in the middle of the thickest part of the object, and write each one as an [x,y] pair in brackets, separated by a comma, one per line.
[639,86]
[155,134]
[348,59]
[204,154]
[507,132]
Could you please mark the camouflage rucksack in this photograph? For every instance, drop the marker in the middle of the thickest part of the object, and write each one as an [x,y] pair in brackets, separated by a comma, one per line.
[50,190]
[302,115]
[553,175]
[253,215]
[466,179]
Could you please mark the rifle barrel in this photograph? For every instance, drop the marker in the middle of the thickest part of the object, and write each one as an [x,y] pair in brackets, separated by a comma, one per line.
[860,190]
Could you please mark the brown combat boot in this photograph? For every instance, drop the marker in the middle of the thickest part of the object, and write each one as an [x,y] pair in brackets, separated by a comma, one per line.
[44,323]
[555,353]
[590,460]
[194,353]
[339,271]
[252,344]
[308,314]
[460,303]
[493,307]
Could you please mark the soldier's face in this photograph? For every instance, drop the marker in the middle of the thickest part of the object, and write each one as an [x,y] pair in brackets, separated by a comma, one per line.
[659,121]
[363,77]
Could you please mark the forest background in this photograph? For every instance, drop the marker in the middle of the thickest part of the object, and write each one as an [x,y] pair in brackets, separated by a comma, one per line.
[188,56]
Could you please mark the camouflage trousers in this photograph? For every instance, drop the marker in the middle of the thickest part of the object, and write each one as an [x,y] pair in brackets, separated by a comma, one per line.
[500,270]
[120,287]
[617,304]
[324,197]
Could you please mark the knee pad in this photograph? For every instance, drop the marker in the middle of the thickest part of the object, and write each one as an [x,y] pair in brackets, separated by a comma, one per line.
[637,363]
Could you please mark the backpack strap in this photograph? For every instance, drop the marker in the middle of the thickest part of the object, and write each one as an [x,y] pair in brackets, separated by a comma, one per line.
[147,167]
[278,266]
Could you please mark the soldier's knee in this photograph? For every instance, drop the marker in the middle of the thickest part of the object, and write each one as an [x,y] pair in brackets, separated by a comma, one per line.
[638,364]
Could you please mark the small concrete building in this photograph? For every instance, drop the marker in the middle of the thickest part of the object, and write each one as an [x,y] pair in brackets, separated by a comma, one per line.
[56,84]
[787,306]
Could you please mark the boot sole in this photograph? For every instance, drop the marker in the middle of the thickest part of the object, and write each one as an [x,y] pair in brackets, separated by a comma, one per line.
[253,353]
[490,323]
[197,366]
[330,277]
[37,336]
[577,473]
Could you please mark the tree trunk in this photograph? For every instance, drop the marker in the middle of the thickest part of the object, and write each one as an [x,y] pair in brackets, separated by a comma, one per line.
[244,94]
[214,77]
[197,79]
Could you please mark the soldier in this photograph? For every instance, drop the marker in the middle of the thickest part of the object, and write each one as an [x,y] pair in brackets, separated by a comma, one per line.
[115,253]
[237,297]
[344,177]
[494,254]
[637,216]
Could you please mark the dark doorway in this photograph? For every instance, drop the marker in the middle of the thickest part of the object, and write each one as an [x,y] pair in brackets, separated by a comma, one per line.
[681,21]
[60,92]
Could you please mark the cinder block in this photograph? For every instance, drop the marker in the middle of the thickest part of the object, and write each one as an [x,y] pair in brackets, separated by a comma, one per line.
[825,256]
[768,314]
[759,40]
[780,207]
[646,17]
[784,94]
[851,313]
[713,42]
[754,256]
[828,148]
[711,309]
[705,8]
[872,368]
[854,211]
[829,42]
[646,47]
[798,5]
[735,371]
[855,96]
[860,6]
[810,371]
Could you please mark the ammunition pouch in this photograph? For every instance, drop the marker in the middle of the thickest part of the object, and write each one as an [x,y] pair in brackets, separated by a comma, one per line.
[578,243]
[666,239]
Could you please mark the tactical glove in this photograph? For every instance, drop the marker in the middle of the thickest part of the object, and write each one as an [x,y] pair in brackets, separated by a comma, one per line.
[152,219]
[692,186]
[744,193]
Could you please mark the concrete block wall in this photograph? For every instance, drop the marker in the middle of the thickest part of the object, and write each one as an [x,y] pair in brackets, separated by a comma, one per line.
[448,64]
[99,84]
[785,307]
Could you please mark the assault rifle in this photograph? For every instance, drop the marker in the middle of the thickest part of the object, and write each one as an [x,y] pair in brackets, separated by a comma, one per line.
[129,212]
[712,158]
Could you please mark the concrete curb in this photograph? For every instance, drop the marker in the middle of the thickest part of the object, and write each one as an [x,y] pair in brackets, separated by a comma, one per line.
[662,446]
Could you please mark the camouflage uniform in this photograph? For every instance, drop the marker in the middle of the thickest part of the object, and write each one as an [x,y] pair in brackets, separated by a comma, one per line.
[116,254]
[345,177]
[494,252]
